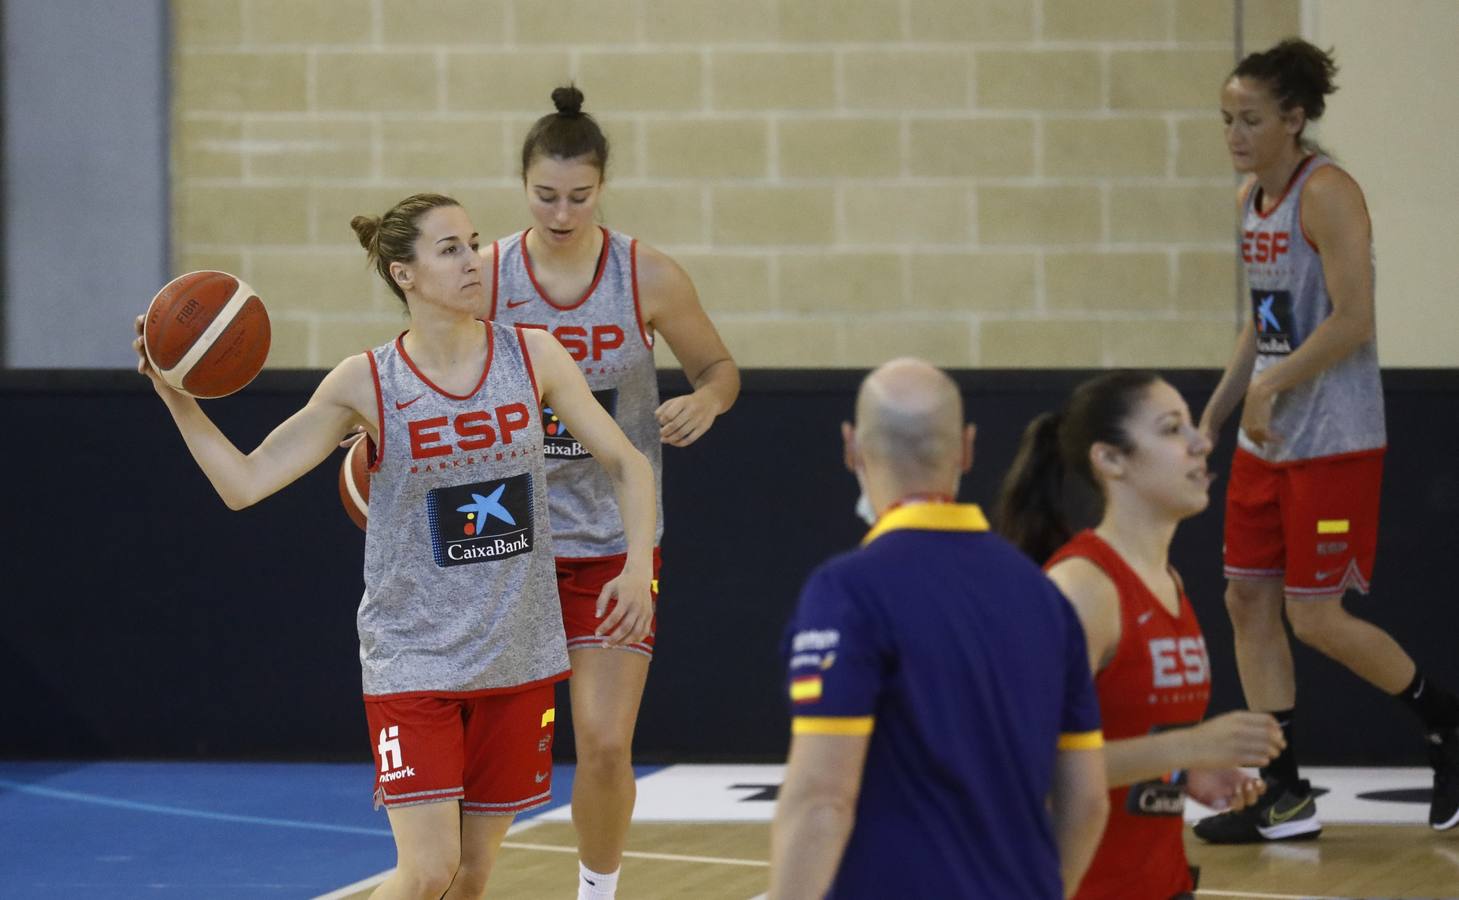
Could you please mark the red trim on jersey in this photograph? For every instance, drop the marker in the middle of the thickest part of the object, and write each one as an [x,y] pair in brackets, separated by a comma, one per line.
[597,274]
[1256,199]
[637,308]
[527,358]
[483,692]
[486,367]
[373,465]
[496,266]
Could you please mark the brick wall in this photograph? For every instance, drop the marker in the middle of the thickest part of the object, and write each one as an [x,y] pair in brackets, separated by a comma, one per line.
[979,182]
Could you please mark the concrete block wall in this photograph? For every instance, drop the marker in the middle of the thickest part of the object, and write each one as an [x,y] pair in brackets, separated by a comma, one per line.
[1034,183]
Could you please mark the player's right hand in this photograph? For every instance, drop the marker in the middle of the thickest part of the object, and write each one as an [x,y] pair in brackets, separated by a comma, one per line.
[144,365]
[1240,738]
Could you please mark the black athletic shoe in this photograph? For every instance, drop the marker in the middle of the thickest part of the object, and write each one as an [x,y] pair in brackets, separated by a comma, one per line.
[1444,757]
[1282,814]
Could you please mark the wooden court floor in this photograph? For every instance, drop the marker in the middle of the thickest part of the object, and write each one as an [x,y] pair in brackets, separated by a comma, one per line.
[730,861]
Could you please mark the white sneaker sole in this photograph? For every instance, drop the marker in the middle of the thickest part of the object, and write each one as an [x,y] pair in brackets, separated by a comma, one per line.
[1445,826]
[1289,829]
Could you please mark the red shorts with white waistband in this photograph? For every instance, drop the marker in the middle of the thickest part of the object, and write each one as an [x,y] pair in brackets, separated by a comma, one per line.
[579,581]
[1313,523]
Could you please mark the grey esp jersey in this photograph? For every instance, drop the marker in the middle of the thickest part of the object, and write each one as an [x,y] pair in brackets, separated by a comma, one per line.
[1341,409]
[604,332]
[460,585]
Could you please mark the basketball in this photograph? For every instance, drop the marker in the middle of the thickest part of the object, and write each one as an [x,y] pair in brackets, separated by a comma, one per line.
[206,334]
[354,481]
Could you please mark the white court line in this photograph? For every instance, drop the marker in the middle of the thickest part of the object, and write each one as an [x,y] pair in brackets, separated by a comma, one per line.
[1206,892]
[363,883]
[642,854]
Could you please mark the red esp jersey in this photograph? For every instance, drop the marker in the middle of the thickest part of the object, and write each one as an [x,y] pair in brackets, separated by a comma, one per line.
[1159,678]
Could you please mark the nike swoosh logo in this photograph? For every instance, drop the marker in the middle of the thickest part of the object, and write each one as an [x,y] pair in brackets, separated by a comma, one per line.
[1277,818]
[1323,576]
[541,777]
[513,304]
[399,405]
[1144,617]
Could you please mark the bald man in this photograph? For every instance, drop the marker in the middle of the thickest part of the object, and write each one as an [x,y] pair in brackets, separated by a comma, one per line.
[945,731]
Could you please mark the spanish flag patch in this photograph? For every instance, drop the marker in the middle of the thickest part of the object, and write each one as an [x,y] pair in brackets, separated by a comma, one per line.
[805,689]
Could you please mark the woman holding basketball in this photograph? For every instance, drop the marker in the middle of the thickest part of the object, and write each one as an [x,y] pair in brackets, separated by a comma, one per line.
[606,296]
[1130,436]
[460,631]
[1302,504]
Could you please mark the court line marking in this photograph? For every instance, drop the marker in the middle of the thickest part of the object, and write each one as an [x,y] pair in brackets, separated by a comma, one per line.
[1207,891]
[136,806]
[643,854]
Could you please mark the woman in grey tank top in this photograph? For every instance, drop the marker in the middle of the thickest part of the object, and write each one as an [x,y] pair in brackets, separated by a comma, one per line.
[427,251]
[607,296]
[1302,500]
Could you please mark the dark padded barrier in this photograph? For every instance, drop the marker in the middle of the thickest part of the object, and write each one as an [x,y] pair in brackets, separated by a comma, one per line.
[143,619]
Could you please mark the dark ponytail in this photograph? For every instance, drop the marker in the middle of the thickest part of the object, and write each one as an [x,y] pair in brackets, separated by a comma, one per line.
[1298,75]
[1030,509]
[568,133]
[1040,506]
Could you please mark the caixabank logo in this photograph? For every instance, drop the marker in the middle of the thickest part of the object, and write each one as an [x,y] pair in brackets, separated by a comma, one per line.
[1272,312]
[558,442]
[481,522]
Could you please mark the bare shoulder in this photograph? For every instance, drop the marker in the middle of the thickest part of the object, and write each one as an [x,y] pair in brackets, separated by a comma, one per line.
[1331,184]
[350,384]
[1333,203]
[659,275]
[1084,583]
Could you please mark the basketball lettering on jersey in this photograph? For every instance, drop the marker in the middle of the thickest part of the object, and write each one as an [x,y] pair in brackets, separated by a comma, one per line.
[1178,662]
[1339,410]
[1158,679]
[604,333]
[460,584]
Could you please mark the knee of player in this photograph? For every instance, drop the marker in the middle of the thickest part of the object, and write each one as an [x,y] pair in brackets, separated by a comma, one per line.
[1253,603]
[1313,623]
[428,876]
[603,748]
[471,876]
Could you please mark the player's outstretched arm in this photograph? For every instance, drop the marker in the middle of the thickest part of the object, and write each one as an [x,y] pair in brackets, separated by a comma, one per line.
[672,309]
[815,812]
[297,445]
[564,389]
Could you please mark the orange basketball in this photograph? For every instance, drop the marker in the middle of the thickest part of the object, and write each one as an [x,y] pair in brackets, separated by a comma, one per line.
[354,481]
[206,333]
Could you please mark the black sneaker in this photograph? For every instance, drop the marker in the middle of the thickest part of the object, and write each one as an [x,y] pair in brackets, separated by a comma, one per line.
[1282,814]
[1444,757]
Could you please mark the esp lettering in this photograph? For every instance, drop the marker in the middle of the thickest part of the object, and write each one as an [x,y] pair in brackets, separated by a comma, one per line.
[1178,663]
[582,343]
[1264,246]
[473,431]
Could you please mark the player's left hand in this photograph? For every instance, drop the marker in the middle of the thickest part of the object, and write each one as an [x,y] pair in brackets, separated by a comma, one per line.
[633,609]
[1224,789]
[1256,415]
[683,420]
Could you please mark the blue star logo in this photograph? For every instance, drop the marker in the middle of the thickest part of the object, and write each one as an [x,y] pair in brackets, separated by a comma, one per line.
[482,507]
[1266,320]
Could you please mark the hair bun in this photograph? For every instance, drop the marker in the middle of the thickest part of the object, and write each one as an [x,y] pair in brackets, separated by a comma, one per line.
[367,230]
[568,100]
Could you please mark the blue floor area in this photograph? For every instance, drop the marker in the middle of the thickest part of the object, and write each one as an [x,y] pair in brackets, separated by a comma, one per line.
[216,830]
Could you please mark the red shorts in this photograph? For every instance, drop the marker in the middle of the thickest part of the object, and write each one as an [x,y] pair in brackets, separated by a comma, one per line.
[579,580]
[1313,523]
[493,753]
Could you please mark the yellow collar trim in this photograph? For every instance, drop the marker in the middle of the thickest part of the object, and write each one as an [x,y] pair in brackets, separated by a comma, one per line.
[929,517]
